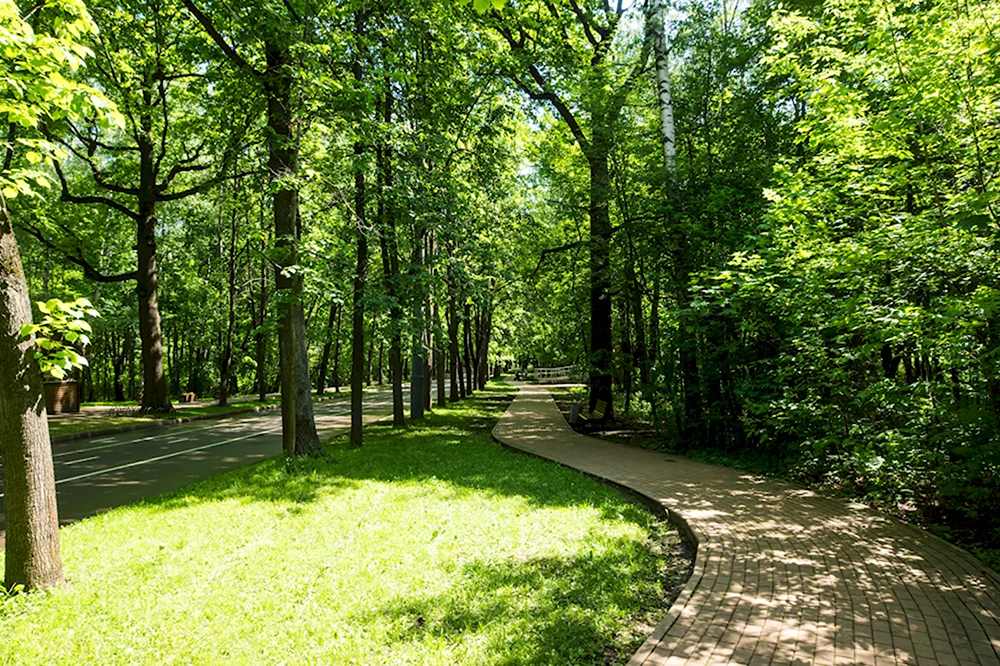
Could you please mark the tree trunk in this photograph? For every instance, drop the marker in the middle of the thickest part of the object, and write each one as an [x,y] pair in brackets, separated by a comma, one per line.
[456,379]
[32,556]
[259,336]
[656,34]
[298,427]
[358,314]
[390,266]
[306,438]
[324,364]
[155,392]
[371,350]
[466,347]
[418,377]
[226,362]
[687,352]
[439,359]
[483,347]
[628,359]
[336,351]
[474,346]
[118,368]
[600,273]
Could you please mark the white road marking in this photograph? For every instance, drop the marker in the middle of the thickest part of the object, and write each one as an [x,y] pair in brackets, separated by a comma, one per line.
[73,462]
[131,441]
[236,418]
[163,457]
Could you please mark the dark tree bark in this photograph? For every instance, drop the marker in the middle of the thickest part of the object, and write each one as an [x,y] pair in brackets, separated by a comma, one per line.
[118,367]
[282,165]
[152,188]
[358,314]
[371,350]
[155,392]
[600,268]
[457,391]
[226,358]
[599,30]
[298,426]
[259,317]
[466,347]
[299,435]
[324,364]
[418,377]
[692,426]
[32,557]
[390,265]
[439,359]
[381,359]
[336,351]
[483,346]
[307,439]
[628,360]
[428,334]
[361,271]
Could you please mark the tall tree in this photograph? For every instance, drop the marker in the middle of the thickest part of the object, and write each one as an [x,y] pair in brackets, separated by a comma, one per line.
[561,54]
[144,65]
[278,33]
[37,54]
[388,243]
[361,236]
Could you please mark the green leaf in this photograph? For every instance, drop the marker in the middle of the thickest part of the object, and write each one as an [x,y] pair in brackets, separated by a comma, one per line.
[29,329]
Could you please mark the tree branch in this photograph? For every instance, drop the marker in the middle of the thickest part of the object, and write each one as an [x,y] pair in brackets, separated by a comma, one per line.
[77,258]
[178,169]
[93,141]
[585,22]
[637,73]
[201,187]
[94,170]
[101,201]
[560,106]
[220,41]
[554,250]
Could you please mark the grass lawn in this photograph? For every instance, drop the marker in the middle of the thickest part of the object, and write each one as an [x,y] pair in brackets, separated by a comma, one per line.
[430,545]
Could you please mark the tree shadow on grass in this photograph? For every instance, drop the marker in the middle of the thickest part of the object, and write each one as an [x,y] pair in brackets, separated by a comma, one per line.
[524,610]
[452,446]
[546,610]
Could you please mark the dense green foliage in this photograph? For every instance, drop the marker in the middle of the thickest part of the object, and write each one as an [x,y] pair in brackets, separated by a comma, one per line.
[814,292]
[863,323]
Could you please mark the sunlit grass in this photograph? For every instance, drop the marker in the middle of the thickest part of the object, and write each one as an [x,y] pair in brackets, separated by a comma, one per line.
[430,545]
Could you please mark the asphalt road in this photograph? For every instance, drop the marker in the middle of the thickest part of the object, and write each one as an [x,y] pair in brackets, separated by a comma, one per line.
[94,475]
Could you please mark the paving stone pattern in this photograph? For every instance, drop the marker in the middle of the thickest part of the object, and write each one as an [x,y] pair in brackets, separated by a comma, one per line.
[783,575]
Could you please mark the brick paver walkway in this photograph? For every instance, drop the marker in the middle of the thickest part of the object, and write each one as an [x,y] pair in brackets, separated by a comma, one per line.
[782,575]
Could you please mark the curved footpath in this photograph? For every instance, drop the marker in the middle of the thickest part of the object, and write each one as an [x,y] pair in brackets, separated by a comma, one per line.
[782,575]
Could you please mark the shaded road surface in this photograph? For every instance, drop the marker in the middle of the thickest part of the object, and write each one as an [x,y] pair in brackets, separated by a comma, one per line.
[94,475]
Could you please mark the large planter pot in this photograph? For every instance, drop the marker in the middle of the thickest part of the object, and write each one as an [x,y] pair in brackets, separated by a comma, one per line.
[62,397]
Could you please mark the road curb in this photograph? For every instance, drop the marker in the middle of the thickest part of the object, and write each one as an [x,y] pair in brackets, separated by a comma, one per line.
[158,423]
